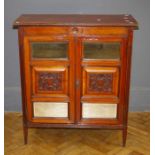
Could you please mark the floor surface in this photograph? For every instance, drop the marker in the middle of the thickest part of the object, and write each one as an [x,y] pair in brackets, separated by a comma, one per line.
[77,141]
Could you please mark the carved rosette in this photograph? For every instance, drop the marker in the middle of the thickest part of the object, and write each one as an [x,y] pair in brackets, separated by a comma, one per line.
[50,81]
[100,82]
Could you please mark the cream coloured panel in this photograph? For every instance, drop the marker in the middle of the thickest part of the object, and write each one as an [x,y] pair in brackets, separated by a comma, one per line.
[50,109]
[98,110]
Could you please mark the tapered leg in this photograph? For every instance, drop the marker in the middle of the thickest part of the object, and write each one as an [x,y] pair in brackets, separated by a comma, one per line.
[124,135]
[25,130]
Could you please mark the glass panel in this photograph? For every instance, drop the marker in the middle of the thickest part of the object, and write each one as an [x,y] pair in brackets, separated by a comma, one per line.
[106,50]
[49,49]
[50,109]
[98,110]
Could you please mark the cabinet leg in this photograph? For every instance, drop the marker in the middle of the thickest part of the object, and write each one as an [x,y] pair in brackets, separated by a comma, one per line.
[124,136]
[25,130]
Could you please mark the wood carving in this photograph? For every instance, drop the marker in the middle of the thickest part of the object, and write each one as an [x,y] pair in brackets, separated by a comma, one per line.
[100,82]
[50,81]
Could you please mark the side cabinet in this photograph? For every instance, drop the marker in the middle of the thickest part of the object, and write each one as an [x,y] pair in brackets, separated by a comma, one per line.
[75,70]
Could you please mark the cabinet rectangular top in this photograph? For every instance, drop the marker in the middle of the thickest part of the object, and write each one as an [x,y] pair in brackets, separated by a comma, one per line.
[75,20]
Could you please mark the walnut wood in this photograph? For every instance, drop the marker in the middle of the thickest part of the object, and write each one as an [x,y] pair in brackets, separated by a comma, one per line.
[75,80]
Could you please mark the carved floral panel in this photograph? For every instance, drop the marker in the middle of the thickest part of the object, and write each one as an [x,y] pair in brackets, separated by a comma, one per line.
[100,82]
[50,81]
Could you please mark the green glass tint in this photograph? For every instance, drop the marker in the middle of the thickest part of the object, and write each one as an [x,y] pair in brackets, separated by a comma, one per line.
[106,50]
[51,50]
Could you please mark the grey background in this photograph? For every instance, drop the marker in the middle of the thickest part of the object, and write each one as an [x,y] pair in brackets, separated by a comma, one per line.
[139,93]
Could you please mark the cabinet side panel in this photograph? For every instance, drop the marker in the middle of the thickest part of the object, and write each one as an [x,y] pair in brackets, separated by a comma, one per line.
[128,75]
[22,74]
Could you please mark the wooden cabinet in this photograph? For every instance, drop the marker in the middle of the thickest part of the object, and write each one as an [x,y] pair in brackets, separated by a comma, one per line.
[75,70]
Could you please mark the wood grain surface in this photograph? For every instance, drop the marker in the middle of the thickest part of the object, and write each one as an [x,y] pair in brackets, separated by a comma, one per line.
[75,19]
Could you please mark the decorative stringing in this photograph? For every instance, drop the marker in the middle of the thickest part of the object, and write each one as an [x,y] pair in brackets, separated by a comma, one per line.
[50,81]
[100,82]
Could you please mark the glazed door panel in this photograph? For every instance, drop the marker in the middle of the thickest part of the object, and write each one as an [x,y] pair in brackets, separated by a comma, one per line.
[101,50]
[49,69]
[48,50]
[99,92]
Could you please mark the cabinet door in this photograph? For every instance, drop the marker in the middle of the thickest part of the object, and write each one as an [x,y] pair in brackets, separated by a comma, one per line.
[100,77]
[49,81]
